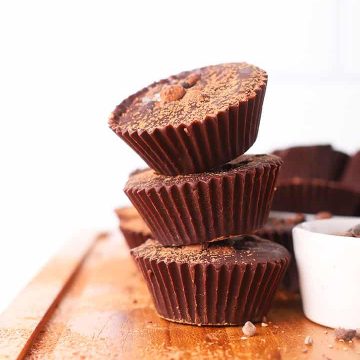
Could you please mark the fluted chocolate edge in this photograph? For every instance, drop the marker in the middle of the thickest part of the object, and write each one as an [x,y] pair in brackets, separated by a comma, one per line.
[203,211]
[312,196]
[283,236]
[209,295]
[134,238]
[204,144]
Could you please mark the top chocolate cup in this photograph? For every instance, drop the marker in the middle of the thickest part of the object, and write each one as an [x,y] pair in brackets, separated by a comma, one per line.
[194,121]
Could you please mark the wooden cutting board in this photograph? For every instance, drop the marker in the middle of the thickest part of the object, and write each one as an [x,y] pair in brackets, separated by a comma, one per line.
[90,302]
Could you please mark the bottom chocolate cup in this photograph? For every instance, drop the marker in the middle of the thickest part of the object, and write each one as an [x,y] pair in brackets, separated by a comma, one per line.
[230,282]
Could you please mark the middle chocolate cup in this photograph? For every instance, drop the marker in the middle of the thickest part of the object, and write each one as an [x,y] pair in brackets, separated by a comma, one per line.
[199,208]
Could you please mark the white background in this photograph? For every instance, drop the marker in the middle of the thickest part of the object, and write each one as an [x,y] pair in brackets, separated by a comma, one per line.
[64,66]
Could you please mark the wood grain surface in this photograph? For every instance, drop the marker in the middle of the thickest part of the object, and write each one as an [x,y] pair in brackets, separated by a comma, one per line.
[107,313]
[25,317]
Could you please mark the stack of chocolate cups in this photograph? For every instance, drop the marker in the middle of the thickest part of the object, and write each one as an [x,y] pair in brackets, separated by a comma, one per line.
[202,198]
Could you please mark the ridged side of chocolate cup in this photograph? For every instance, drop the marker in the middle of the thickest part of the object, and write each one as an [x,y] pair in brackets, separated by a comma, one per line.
[202,211]
[312,196]
[202,145]
[283,236]
[134,238]
[204,294]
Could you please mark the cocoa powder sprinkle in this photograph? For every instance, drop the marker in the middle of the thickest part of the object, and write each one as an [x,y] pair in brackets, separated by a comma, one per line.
[225,252]
[209,90]
[148,178]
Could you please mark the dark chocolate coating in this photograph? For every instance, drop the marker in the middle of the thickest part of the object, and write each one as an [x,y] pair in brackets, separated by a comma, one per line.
[199,208]
[246,249]
[135,231]
[317,178]
[217,87]
[214,122]
[311,162]
[228,283]
[314,195]
[351,174]
[279,230]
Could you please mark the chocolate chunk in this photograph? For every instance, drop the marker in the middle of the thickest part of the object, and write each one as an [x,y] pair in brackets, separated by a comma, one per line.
[172,93]
[191,80]
[345,334]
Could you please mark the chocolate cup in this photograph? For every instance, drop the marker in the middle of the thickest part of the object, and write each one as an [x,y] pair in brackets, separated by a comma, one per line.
[283,236]
[201,208]
[311,162]
[315,195]
[134,237]
[351,174]
[219,291]
[202,145]
[126,213]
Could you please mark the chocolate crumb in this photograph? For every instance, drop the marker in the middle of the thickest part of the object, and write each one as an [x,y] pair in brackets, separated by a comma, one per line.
[308,340]
[249,329]
[345,334]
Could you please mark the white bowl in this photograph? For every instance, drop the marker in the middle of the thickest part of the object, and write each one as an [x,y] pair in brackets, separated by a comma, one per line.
[329,271]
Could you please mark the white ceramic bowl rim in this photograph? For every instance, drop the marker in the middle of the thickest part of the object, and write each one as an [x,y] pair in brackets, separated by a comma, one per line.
[331,227]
